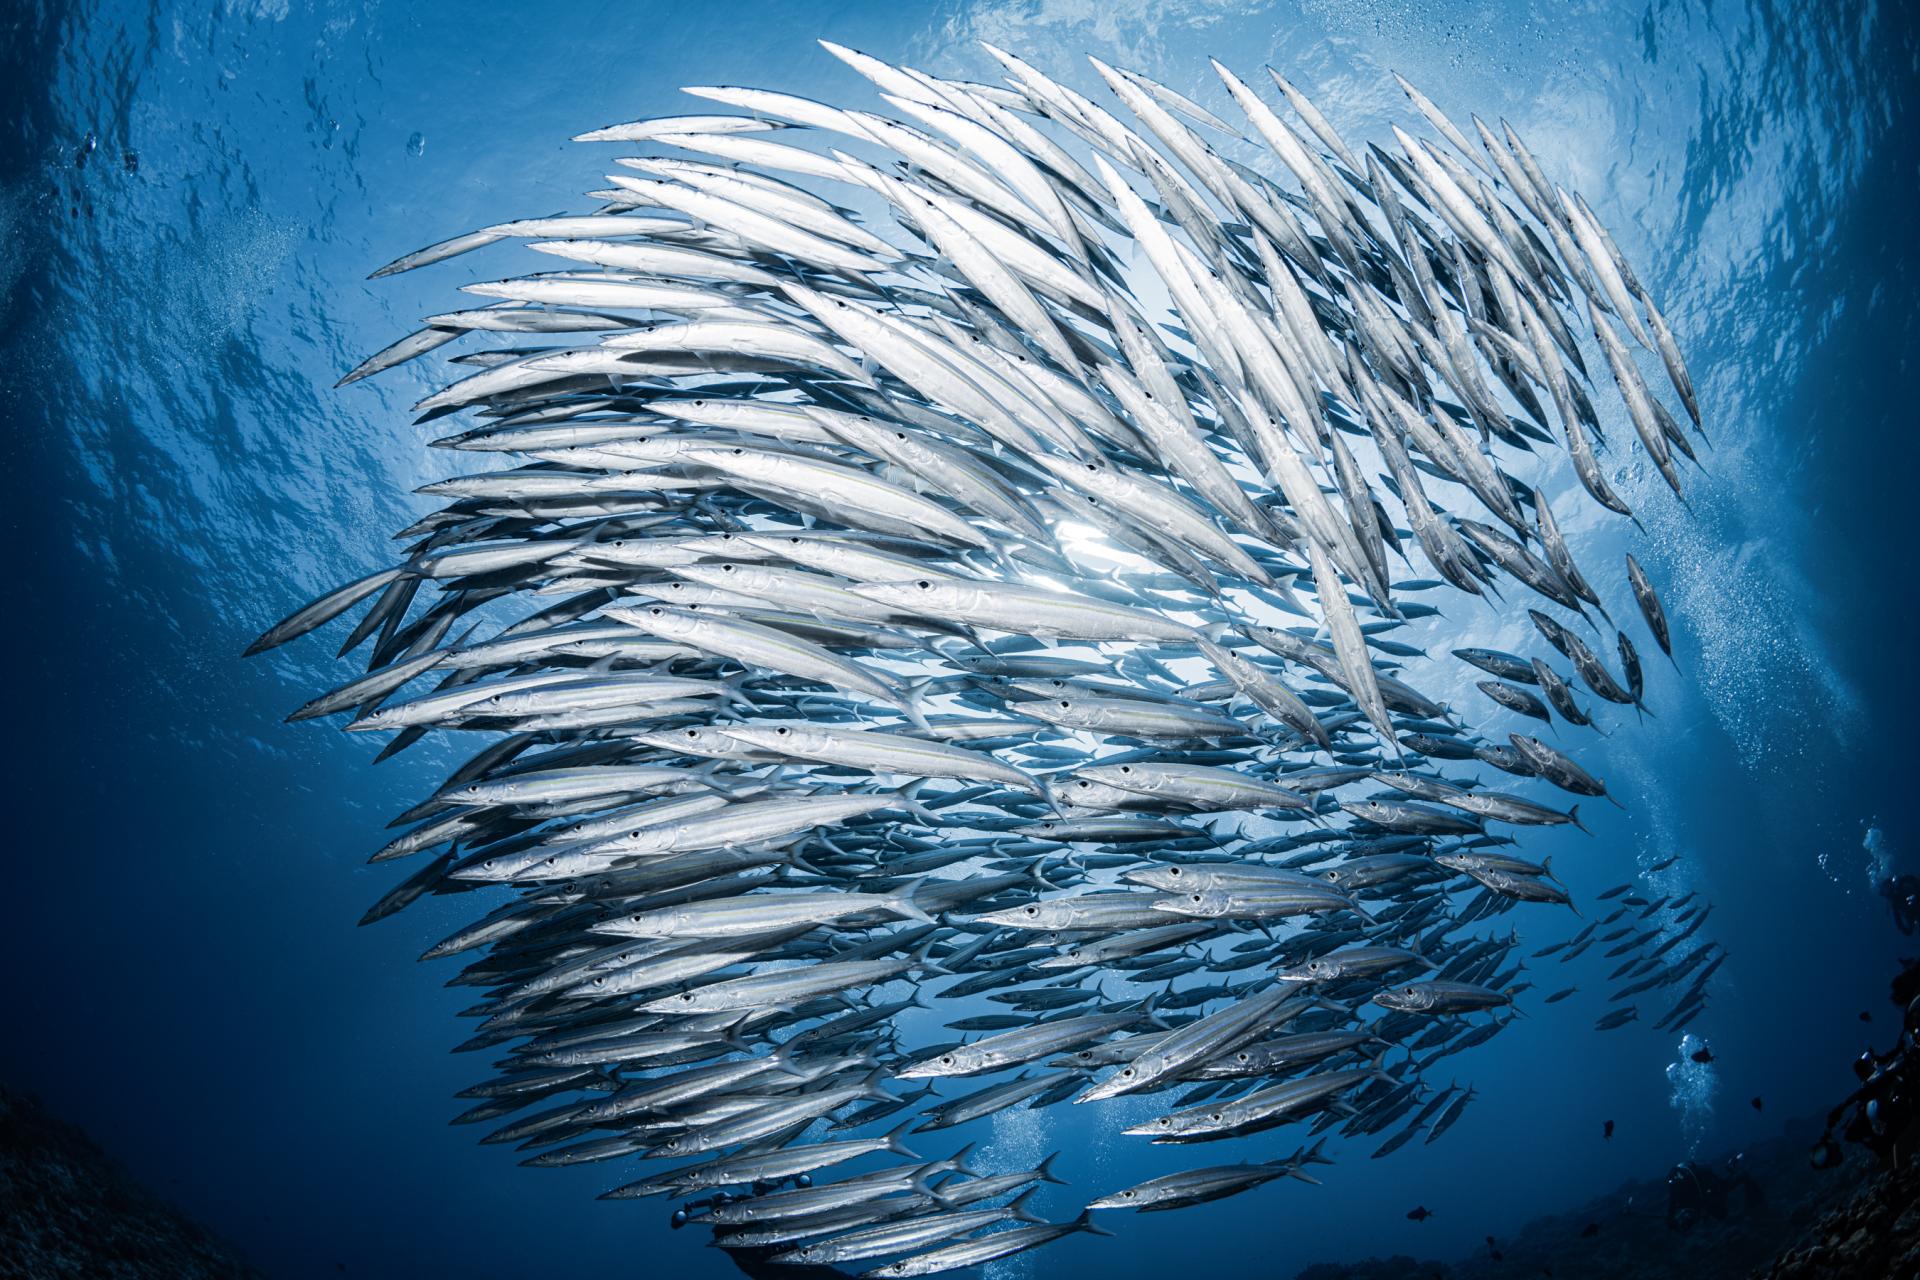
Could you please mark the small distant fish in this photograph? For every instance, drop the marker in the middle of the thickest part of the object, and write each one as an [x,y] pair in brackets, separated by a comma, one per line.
[1757,1105]
[1606,1130]
[1618,1018]
[1419,1214]
[1649,602]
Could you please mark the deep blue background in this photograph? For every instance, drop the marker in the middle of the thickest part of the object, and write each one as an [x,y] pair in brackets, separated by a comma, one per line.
[183,872]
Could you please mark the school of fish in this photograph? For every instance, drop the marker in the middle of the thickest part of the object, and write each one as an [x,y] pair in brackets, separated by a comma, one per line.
[923,602]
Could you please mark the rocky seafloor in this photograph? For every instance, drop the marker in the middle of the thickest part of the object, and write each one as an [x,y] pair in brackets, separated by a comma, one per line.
[66,1210]
[1858,1220]
[1779,1217]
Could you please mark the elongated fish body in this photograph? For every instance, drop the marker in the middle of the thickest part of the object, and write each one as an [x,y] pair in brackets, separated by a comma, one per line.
[1440,997]
[990,593]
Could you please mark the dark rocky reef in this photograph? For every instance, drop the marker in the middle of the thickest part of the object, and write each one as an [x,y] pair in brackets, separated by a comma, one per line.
[1877,1233]
[66,1210]
[1626,1233]
[1801,1206]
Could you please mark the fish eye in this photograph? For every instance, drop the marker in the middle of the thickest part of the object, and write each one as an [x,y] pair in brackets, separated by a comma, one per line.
[1127,1073]
[1126,1195]
[1126,768]
[947,1058]
[899,435]
[1033,911]
[1214,1116]
[924,585]
[1174,872]
[1165,1121]
[699,404]
[738,452]
[1065,705]
[783,731]
[1196,897]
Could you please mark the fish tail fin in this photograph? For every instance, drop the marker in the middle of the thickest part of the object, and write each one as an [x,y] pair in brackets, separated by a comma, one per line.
[920,1183]
[733,690]
[1052,797]
[1085,1223]
[923,959]
[1018,1210]
[896,1140]
[323,610]
[910,801]
[781,1060]
[706,773]
[1045,1172]
[902,903]
[874,1086]
[1378,1068]
[908,700]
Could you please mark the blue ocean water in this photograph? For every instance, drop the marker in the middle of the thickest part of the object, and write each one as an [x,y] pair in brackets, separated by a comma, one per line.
[190,199]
